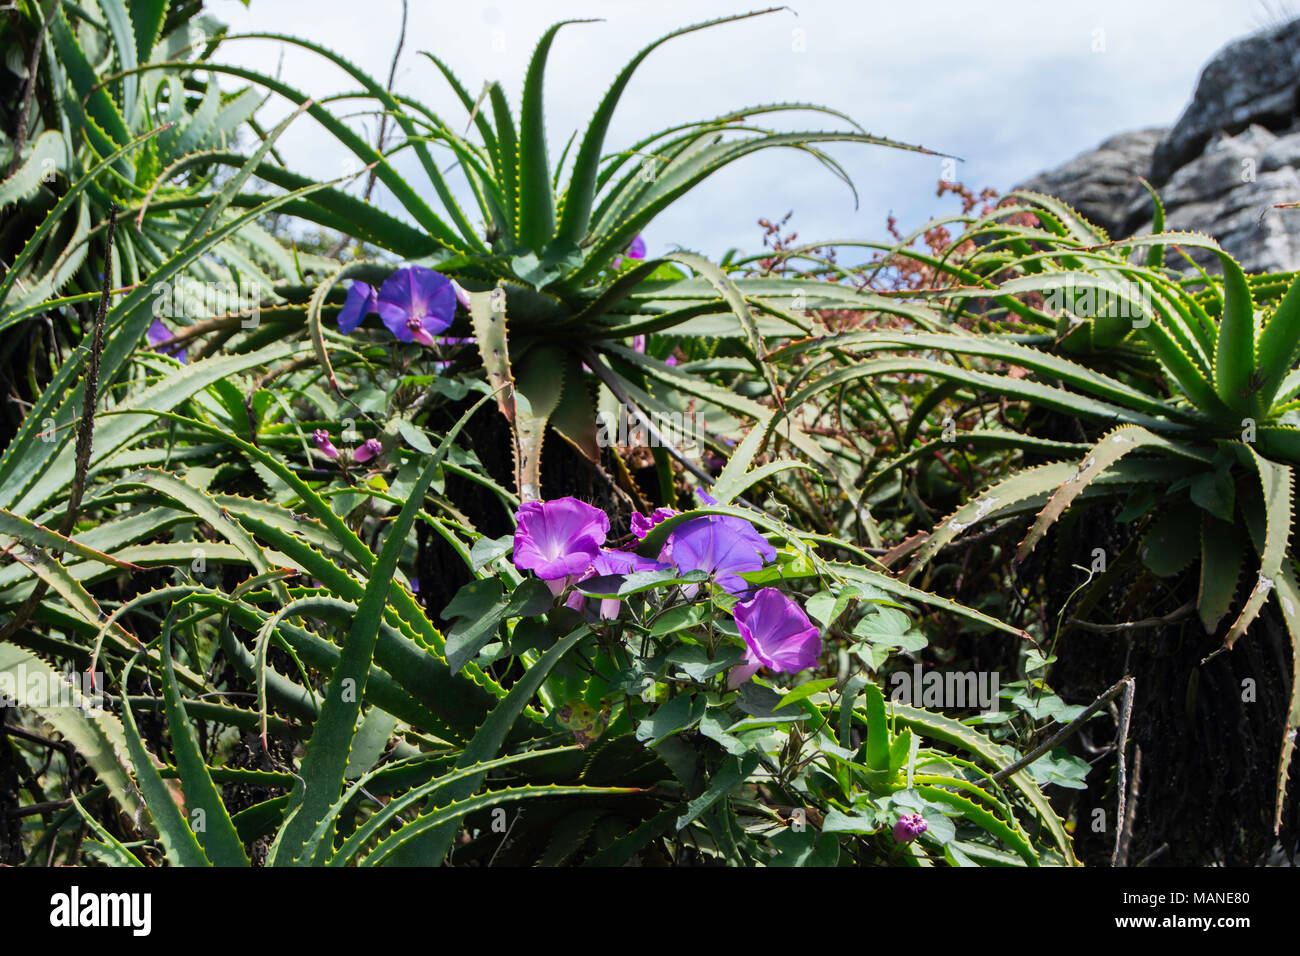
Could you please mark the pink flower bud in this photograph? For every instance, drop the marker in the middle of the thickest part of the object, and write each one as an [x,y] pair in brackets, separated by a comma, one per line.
[322,439]
[909,827]
[371,449]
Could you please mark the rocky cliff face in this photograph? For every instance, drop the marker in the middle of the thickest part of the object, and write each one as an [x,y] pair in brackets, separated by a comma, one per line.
[1231,157]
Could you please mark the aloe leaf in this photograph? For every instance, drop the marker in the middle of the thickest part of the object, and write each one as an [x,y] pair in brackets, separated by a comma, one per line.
[683,175]
[1279,343]
[939,727]
[1073,374]
[507,155]
[412,798]
[96,733]
[55,215]
[982,818]
[726,493]
[485,745]
[48,152]
[1223,554]
[1110,449]
[1277,481]
[581,190]
[539,383]
[450,815]
[38,536]
[403,191]
[1288,596]
[1234,356]
[727,289]
[324,765]
[574,417]
[472,107]
[119,854]
[220,842]
[536,198]
[174,832]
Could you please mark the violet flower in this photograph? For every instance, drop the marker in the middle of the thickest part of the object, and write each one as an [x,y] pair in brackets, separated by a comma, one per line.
[724,546]
[371,449]
[777,635]
[558,540]
[416,303]
[641,524]
[620,562]
[909,827]
[159,334]
[322,439]
[362,301]
[635,250]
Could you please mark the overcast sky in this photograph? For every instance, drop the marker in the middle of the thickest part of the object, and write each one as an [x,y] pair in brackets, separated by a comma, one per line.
[1012,87]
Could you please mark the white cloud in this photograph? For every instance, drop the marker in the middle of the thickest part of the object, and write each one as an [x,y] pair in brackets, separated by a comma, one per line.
[1013,87]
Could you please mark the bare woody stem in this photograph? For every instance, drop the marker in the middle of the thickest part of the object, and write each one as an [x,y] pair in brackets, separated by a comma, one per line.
[85,428]
[1066,731]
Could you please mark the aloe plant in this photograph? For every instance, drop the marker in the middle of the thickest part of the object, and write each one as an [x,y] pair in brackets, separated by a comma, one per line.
[1190,380]
[547,235]
[199,548]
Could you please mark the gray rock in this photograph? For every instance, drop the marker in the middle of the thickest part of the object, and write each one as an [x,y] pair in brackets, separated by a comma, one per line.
[1253,80]
[1228,162]
[1212,198]
[1103,182]
[1232,156]
[1284,152]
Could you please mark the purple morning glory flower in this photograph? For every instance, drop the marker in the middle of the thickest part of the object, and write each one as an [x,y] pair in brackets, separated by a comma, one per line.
[722,545]
[777,635]
[416,304]
[159,334]
[635,250]
[558,539]
[641,524]
[620,562]
[371,449]
[362,301]
[909,827]
[322,439]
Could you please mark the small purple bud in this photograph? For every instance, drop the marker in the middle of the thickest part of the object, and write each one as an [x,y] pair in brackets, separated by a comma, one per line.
[642,524]
[371,449]
[636,248]
[322,439]
[909,827]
